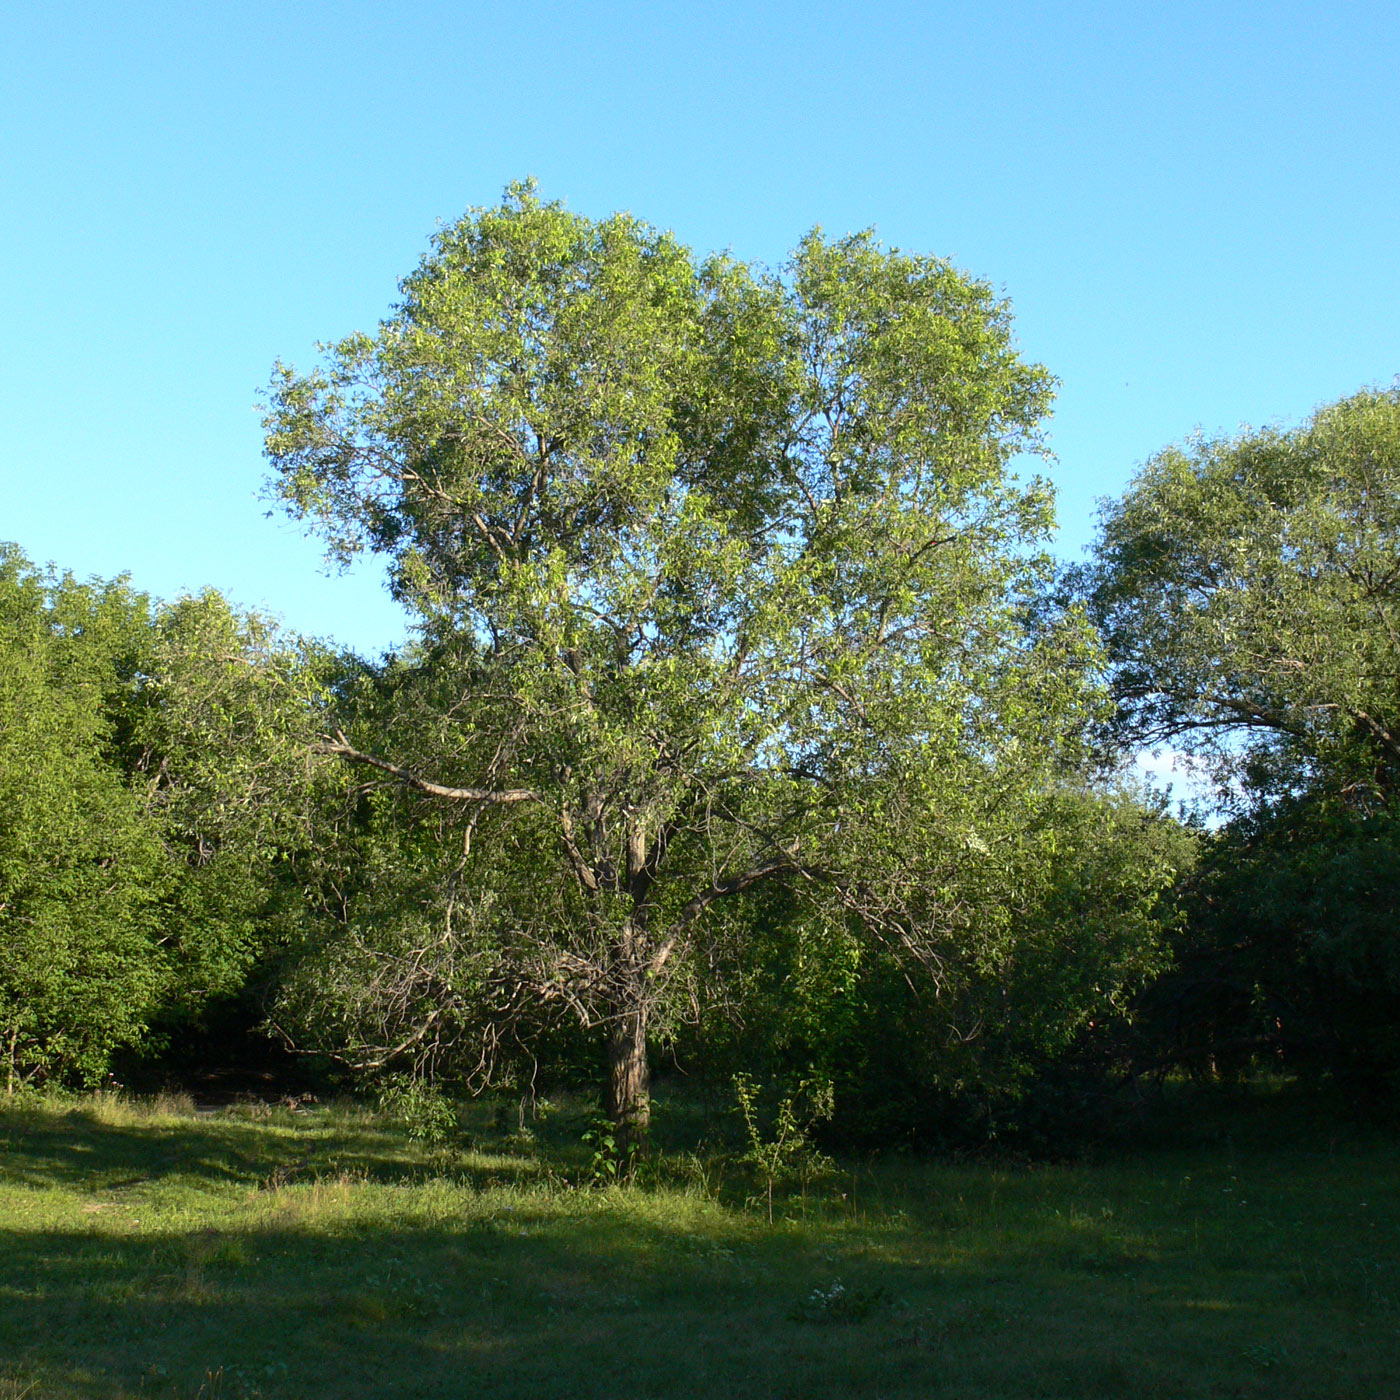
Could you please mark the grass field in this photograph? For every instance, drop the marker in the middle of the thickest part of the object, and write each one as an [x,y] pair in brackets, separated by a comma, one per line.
[146,1250]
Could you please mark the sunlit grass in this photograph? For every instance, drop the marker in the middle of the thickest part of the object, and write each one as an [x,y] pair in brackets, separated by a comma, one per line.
[151,1250]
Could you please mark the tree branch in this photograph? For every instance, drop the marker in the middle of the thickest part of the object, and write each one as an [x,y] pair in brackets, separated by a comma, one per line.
[341,748]
[720,889]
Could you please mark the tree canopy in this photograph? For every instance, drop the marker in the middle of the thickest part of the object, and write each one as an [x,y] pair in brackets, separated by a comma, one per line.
[1248,589]
[150,758]
[722,579]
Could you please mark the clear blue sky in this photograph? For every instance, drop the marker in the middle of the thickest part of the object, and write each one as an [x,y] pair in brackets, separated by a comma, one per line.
[1195,209]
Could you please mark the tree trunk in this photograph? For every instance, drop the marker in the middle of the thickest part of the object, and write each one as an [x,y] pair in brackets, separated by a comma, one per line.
[629,1081]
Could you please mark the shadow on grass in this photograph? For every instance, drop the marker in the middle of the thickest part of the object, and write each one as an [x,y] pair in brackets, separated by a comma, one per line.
[322,1254]
[511,1303]
[185,1258]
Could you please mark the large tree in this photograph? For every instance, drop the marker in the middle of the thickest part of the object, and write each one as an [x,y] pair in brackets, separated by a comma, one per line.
[721,579]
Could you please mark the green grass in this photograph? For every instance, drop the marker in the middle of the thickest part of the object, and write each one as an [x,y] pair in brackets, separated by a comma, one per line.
[147,1251]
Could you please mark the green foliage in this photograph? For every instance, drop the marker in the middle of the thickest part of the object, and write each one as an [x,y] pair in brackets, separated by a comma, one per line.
[948,1046]
[1248,593]
[784,1151]
[392,965]
[1250,600]
[216,743]
[1289,955]
[426,1113]
[149,764]
[723,582]
[606,1163]
[81,871]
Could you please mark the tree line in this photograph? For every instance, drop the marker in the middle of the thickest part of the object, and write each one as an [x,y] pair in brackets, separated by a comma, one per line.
[746,721]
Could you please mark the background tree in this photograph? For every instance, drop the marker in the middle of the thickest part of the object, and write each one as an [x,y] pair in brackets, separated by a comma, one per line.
[1287,955]
[1044,981]
[1249,593]
[152,764]
[81,870]
[213,737]
[721,579]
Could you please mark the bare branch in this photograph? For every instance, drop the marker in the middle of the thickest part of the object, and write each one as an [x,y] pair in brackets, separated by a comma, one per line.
[341,748]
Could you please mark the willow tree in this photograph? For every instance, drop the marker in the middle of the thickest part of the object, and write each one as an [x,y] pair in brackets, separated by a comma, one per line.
[720,579]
